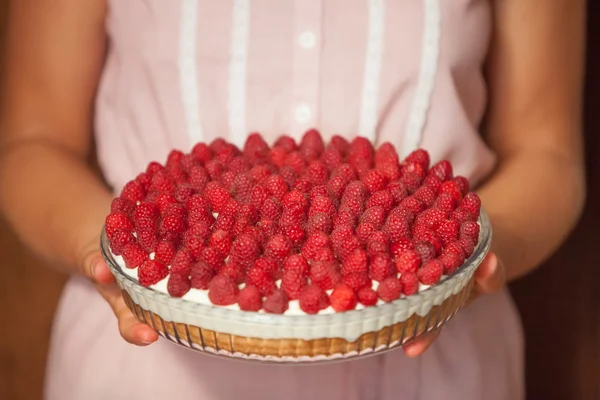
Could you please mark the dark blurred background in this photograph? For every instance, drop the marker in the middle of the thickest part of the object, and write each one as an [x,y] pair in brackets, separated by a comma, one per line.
[559,302]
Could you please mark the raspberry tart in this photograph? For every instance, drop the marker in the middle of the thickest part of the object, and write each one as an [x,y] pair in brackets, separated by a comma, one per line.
[295,252]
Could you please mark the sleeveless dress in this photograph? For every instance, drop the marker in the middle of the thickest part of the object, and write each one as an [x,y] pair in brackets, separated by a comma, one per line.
[182,71]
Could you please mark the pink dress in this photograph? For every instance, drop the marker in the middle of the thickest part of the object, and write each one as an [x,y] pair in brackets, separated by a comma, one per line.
[179,72]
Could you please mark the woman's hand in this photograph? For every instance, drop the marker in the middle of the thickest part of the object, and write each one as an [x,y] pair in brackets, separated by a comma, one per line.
[490,277]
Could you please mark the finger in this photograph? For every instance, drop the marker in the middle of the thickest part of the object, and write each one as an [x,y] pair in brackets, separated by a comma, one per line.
[93,267]
[420,345]
[132,330]
[490,277]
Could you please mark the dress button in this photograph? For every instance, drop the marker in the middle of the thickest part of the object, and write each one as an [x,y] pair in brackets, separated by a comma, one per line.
[302,113]
[307,40]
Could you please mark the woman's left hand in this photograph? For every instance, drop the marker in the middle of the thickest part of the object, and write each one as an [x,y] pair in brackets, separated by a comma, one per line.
[490,277]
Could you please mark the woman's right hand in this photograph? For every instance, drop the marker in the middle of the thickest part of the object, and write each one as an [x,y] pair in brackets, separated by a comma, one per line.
[132,330]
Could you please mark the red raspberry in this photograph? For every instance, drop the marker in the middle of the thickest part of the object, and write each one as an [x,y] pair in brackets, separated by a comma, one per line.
[411,180]
[278,155]
[294,213]
[258,195]
[121,239]
[178,285]
[303,185]
[173,223]
[463,184]
[164,252]
[293,282]
[200,216]
[161,182]
[426,195]
[276,302]
[145,224]
[357,280]
[336,187]
[403,213]
[382,198]
[221,241]
[470,230]
[234,271]
[361,149]
[451,262]
[343,298]
[183,193]
[340,144]
[278,247]
[151,272]
[324,274]
[410,283]
[174,158]
[433,182]
[133,191]
[322,204]
[255,147]
[386,154]
[377,243]
[345,171]
[261,279]
[451,187]
[381,267]
[367,296]
[412,204]
[408,261]
[355,189]
[201,274]
[182,262]
[445,202]
[390,289]
[401,245]
[346,247]
[276,186]
[313,299]
[295,161]
[311,145]
[472,203]
[294,196]
[248,211]
[146,210]
[398,191]
[447,231]
[147,238]
[176,209]
[153,168]
[420,157]
[319,222]
[364,232]
[357,261]
[374,181]
[238,165]
[431,272]
[269,265]
[134,255]
[345,217]
[426,250]
[249,299]
[294,233]
[331,158]
[414,169]
[144,180]
[430,218]
[314,243]
[213,258]
[461,215]
[217,196]
[455,248]
[202,153]
[427,235]
[260,173]
[318,191]
[390,171]
[121,205]
[224,222]
[218,145]
[117,221]
[242,187]
[289,175]
[245,249]
[287,143]
[317,173]
[271,209]
[298,263]
[374,216]
[442,170]
[222,291]
[396,228]
[267,228]
[354,204]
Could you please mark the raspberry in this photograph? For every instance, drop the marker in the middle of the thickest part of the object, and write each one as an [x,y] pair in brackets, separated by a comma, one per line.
[345,217]
[427,235]
[357,280]
[269,265]
[374,216]
[271,209]
[411,180]
[346,246]
[331,158]
[408,261]
[410,283]
[442,170]
[176,209]
[294,196]
[354,204]
[420,157]
[456,248]
[217,196]
[222,291]
[430,218]
[451,262]
[367,296]
[344,171]
[467,245]
[336,187]
[374,181]
[278,247]
[146,210]
[198,178]
[322,204]
[151,272]
[364,231]
[314,243]
[426,250]
[164,200]
[289,175]
[200,274]
[398,191]
[276,186]
[295,161]
[245,249]
[173,223]
[183,193]
[298,263]
[317,173]
[313,299]
[445,202]
[181,262]
[178,285]
[390,289]
[294,213]
[426,195]
[218,145]
[433,182]
[255,147]
[276,302]
[153,168]
[451,187]
[261,279]
[242,187]
[258,195]
[224,222]
[324,274]
[133,191]
[287,143]
[213,258]
[340,144]
[121,205]
[343,298]
[147,238]
[447,231]
[117,221]
[470,229]
[260,173]
[396,228]
[161,182]
[401,245]
[431,272]
[319,222]
[144,180]
[202,153]
[311,145]
[278,155]
[361,150]
[164,252]
[249,299]
[121,239]
[382,198]
[134,255]
[357,261]
[381,267]
[377,243]
[461,215]
[463,184]
[412,204]
[472,203]
[390,171]
[403,213]
[303,185]
[234,271]
[221,241]
[293,282]
[238,165]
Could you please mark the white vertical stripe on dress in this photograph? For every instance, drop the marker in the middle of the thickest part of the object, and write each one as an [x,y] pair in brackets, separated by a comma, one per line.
[373,60]
[413,133]
[236,102]
[188,80]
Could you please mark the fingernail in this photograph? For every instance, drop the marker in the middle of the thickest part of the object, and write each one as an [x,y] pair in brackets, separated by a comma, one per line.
[95,269]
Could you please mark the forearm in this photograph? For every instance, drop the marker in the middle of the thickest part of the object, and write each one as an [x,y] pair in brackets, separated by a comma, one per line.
[534,200]
[53,200]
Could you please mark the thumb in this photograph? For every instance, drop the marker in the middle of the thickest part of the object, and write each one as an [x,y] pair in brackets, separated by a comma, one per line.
[95,268]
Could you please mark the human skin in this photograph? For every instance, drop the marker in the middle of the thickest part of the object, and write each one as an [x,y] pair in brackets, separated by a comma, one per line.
[534,197]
